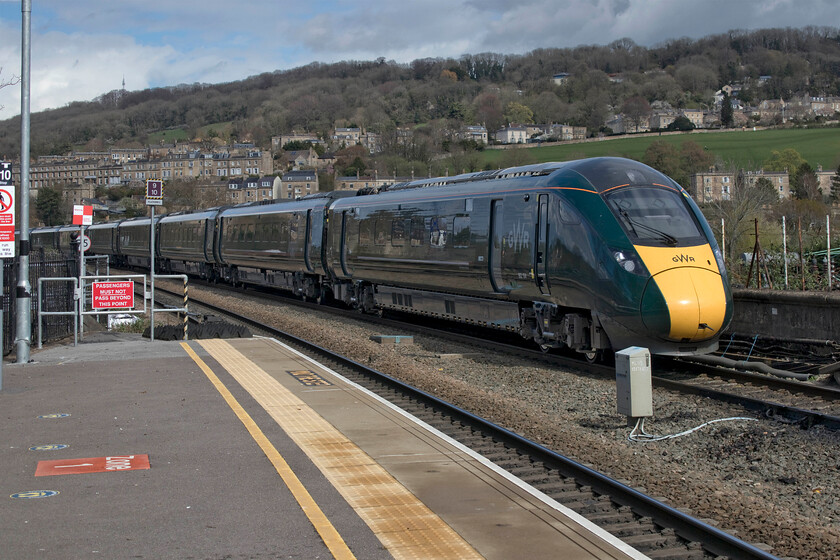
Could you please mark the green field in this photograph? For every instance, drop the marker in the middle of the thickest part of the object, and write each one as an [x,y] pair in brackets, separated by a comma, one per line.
[746,149]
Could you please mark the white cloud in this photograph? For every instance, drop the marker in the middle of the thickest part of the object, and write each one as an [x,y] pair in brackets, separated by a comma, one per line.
[83,48]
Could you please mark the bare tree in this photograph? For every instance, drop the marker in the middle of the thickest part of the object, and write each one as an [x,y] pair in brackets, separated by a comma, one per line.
[14,80]
[745,203]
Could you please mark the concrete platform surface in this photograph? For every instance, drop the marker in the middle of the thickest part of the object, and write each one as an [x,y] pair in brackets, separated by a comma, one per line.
[254,451]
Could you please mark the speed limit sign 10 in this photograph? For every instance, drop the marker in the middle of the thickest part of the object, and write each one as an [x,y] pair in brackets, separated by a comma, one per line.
[5,173]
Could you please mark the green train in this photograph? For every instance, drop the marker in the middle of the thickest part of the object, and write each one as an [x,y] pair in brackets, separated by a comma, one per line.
[594,255]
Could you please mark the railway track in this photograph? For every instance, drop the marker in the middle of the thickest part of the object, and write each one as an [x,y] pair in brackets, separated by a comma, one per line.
[643,522]
[786,400]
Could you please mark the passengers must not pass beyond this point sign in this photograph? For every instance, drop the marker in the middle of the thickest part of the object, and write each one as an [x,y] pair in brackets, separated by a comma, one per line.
[113,295]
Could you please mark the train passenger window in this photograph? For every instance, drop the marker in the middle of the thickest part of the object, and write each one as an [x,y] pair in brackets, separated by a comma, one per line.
[398,233]
[365,232]
[293,227]
[249,235]
[461,231]
[567,215]
[437,232]
[379,227]
[417,231]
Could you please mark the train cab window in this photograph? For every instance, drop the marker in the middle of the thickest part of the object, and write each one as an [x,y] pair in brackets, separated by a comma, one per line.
[417,231]
[461,232]
[397,233]
[655,216]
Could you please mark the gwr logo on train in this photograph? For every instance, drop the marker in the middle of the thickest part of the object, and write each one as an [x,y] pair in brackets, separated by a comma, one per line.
[683,258]
[519,237]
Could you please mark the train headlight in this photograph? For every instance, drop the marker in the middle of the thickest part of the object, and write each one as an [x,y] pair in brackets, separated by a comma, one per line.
[630,262]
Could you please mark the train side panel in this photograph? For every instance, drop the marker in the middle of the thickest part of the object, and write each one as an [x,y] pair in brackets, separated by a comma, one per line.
[473,243]
[103,238]
[134,241]
[44,237]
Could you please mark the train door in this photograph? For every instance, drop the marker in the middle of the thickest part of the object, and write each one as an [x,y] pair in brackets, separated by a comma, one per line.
[307,241]
[346,217]
[541,247]
[496,242]
[208,239]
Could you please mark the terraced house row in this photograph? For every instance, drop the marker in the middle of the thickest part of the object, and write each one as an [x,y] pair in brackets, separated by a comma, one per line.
[122,166]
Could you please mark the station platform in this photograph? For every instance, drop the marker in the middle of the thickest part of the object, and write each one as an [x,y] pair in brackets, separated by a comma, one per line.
[125,448]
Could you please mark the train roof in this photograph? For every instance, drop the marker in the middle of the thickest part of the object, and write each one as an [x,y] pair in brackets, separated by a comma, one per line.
[601,173]
[188,215]
[102,225]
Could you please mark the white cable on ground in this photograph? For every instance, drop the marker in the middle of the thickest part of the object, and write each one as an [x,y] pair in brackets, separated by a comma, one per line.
[638,433]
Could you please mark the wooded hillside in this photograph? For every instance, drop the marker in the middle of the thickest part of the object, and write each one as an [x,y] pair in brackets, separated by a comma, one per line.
[441,95]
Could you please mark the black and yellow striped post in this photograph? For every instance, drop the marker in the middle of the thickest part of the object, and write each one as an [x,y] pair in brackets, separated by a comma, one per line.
[186,308]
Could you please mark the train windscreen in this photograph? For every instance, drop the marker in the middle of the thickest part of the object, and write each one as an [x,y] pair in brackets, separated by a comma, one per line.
[655,216]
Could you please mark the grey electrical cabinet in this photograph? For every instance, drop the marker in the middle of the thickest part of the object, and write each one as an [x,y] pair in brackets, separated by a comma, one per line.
[633,382]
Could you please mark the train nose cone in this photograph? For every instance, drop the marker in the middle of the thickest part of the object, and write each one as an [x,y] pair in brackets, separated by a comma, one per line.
[695,301]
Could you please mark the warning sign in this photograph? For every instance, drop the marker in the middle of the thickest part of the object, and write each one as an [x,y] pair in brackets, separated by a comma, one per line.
[113,295]
[92,465]
[7,211]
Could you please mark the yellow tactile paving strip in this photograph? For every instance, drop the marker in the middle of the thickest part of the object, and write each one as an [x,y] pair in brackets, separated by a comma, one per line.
[404,525]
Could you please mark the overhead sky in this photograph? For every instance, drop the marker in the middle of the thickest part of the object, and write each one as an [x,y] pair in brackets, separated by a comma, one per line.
[83,48]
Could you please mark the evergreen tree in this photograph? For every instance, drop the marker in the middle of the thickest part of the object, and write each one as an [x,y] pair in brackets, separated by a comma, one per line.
[726,115]
[835,186]
[50,206]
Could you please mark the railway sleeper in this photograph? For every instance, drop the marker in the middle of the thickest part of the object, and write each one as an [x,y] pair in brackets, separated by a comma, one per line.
[615,517]
[629,528]
[556,486]
[653,541]
[586,508]
[687,553]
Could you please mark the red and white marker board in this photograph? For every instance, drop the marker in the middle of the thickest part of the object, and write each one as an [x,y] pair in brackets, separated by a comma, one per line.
[93,465]
[82,215]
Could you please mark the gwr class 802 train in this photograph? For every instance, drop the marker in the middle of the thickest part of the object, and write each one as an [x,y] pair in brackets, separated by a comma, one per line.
[596,254]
